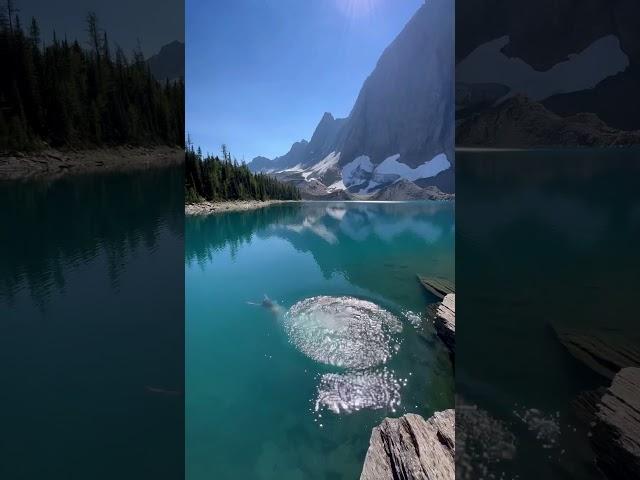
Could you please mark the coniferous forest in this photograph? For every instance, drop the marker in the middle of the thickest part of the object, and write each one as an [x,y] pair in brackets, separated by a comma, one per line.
[80,93]
[214,178]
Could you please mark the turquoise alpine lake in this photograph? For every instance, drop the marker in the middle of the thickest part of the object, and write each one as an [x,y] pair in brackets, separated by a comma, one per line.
[91,326]
[305,327]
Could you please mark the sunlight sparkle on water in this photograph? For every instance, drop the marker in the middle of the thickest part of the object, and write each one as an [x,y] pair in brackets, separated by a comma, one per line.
[342,331]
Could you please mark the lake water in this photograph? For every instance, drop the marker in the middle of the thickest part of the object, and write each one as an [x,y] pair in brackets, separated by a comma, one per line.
[92,327]
[544,238]
[292,391]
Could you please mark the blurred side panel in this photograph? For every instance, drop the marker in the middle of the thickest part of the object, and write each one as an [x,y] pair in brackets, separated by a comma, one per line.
[546,226]
[91,244]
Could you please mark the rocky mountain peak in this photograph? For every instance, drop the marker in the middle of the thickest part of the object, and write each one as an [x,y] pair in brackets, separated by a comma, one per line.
[401,125]
[168,63]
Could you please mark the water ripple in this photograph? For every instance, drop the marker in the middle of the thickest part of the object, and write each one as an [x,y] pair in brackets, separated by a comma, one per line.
[350,392]
[343,331]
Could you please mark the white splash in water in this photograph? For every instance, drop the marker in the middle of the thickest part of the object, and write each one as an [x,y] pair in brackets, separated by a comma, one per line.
[483,443]
[414,319]
[350,392]
[546,427]
[342,331]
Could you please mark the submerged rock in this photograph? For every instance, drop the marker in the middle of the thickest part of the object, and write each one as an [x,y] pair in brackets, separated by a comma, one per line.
[445,321]
[616,434]
[412,448]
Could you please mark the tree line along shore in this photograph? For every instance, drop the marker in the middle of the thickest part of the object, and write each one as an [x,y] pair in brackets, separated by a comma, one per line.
[213,179]
[67,95]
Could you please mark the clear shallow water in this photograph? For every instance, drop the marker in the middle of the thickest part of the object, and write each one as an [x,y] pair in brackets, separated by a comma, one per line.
[292,391]
[91,327]
[544,238]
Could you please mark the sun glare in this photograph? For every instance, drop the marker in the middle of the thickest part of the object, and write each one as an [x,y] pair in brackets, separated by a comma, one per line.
[356,8]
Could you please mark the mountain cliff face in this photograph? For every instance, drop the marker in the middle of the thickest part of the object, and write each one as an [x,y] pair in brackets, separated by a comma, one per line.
[587,61]
[290,159]
[168,63]
[325,139]
[407,190]
[402,123]
[406,105]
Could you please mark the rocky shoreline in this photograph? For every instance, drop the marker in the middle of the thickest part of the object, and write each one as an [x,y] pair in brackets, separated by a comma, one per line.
[209,208]
[445,322]
[52,163]
[616,431]
[412,448]
[612,413]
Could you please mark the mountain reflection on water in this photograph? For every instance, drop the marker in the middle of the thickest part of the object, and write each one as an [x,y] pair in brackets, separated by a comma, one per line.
[53,226]
[390,232]
[91,326]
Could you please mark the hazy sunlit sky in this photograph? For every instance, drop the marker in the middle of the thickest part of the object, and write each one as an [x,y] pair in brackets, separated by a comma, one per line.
[260,73]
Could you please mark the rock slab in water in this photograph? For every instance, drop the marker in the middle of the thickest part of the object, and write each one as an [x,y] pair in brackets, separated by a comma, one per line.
[410,448]
[445,321]
[616,435]
[604,352]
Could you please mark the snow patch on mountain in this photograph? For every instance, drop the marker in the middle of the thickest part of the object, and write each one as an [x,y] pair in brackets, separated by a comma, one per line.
[371,186]
[488,64]
[318,170]
[295,168]
[357,171]
[325,164]
[430,168]
[339,185]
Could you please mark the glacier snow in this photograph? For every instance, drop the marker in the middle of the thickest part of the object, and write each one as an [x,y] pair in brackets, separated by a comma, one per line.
[357,171]
[430,168]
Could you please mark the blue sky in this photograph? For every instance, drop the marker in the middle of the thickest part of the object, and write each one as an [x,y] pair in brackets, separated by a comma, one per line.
[260,73]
